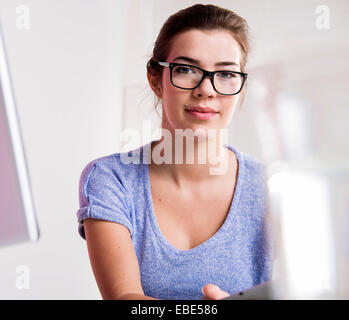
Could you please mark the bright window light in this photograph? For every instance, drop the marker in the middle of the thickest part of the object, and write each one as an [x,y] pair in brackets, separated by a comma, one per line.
[306,233]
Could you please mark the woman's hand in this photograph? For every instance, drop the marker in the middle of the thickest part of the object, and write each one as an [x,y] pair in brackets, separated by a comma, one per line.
[213,292]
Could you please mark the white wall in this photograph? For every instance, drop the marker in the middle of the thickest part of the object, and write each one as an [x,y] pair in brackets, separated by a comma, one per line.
[67,76]
[81,61]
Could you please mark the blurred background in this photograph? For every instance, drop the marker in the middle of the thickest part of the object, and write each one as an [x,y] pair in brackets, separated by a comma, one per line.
[79,76]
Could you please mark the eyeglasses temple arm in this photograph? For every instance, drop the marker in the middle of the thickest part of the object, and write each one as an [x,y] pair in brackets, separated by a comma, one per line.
[164,64]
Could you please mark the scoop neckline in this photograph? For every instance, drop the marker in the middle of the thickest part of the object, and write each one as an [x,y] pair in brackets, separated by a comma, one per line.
[227,222]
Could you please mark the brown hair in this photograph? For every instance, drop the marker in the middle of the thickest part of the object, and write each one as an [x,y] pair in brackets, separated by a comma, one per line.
[202,17]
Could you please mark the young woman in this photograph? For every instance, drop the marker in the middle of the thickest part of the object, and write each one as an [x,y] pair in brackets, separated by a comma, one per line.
[176,230]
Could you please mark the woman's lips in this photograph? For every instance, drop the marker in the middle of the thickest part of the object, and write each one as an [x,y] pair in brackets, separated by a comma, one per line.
[201,115]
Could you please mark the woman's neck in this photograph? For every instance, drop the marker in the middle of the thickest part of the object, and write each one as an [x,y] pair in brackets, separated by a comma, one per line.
[188,161]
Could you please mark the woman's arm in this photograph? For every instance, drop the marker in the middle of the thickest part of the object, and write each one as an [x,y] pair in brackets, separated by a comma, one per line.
[113,260]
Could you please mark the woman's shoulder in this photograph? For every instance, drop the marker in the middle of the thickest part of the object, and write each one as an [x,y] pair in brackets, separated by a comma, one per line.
[254,163]
[249,162]
[124,166]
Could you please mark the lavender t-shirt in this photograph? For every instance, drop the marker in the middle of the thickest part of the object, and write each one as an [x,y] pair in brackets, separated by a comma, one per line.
[237,257]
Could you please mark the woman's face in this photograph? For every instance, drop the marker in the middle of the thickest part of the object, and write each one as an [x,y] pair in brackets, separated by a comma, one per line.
[205,49]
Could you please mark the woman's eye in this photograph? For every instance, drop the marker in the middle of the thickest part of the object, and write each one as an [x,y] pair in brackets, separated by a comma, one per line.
[184,70]
[227,75]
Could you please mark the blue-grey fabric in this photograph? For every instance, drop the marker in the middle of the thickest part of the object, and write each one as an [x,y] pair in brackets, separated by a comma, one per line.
[237,257]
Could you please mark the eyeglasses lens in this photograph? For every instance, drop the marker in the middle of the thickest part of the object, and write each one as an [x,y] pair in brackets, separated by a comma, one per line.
[225,82]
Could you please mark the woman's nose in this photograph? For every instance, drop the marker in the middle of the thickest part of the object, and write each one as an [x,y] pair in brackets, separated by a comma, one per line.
[205,89]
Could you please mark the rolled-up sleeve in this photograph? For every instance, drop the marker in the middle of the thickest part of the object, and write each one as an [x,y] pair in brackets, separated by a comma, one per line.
[103,196]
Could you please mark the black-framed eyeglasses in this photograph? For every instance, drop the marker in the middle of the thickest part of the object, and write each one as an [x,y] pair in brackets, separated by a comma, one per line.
[188,77]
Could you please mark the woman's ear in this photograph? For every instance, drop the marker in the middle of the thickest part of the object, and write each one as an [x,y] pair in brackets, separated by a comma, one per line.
[155,84]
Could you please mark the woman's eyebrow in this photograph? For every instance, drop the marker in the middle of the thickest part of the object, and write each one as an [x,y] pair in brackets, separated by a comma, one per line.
[221,63]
